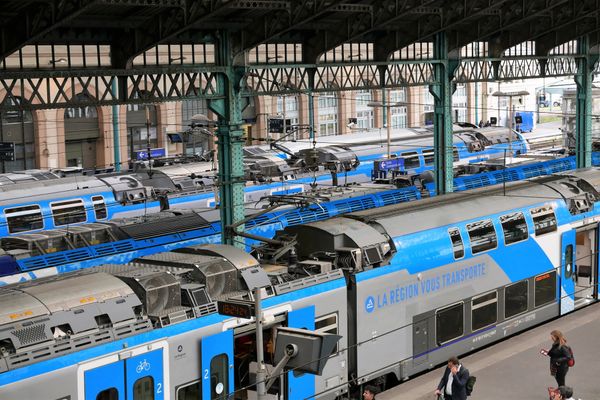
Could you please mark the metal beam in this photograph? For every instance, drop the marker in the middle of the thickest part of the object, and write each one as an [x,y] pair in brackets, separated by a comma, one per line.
[442,119]
[583,112]
[230,141]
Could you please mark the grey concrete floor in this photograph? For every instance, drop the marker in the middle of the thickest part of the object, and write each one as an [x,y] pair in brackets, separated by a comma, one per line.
[514,368]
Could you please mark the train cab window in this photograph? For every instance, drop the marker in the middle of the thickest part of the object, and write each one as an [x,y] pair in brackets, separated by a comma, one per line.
[99,207]
[544,220]
[449,323]
[411,160]
[457,243]
[545,288]
[23,219]
[514,227]
[143,389]
[108,394]
[428,157]
[191,391]
[482,235]
[219,383]
[484,310]
[68,212]
[515,299]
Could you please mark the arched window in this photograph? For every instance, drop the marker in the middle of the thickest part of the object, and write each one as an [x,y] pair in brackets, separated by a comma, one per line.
[81,132]
[141,128]
[17,127]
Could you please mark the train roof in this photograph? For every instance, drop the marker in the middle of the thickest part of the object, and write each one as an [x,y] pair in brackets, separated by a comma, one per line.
[406,218]
[50,189]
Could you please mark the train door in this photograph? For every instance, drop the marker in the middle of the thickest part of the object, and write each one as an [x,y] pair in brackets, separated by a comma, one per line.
[136,374]
[586,273]
[301,386]
[217,365]
[566,292]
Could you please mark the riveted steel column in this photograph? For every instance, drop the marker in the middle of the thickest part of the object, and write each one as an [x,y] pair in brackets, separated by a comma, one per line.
[442,120]
[229,141]
[583,110]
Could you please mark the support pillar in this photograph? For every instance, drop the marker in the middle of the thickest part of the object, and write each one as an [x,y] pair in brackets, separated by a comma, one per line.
[442,90]
[229,141]
[583,110]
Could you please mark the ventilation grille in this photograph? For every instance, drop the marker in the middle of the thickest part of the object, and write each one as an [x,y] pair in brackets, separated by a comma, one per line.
[31,334]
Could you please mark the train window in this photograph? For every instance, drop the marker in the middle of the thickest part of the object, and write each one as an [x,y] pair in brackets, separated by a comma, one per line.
[514,227]
[218,377]
[457,243]
[544,220]
[68,212]
[191,391]
[449,323]
[568,261]
[545,288]
[143,389]
[515,299]
[411,160]
[99,207]
[484,310]
[482,235]
[455,154]
[428,157]
[108,394]
[23,219]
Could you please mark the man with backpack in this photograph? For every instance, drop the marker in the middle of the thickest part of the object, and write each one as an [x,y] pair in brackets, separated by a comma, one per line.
[453,384]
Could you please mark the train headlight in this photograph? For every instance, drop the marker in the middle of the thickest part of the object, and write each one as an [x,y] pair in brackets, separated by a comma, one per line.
[385,248]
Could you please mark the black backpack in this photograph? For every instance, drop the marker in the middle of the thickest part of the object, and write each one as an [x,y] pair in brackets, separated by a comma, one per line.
[470,384]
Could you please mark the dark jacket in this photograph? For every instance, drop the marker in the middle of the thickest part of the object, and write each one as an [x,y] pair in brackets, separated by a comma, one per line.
[559,356]
[459,391]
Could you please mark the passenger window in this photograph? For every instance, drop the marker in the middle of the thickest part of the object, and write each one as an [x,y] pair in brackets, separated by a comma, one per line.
[449,323]
[482,235]
[455,154]
[99,207]
[68,212]
[411,160]
[143,389]
[108,394]
[219,384]
[515,299]
[545,288]
[428,157]
[484,310]
[514,227]
[191,391]
[569,261]
[544,220]
[457,243]
[23,219]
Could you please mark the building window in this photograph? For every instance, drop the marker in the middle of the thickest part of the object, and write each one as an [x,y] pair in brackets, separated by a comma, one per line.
[515,299]
[198,144]
[16,126]
[328,114]
[364,114]
[449,323]
[398,114]
[514,227]
[482,235]
[484,310]
[545,288]
[141,127]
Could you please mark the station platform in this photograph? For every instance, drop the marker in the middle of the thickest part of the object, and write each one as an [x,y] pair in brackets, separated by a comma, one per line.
[514,368]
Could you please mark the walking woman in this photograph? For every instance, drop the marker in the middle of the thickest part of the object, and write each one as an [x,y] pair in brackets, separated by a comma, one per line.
[559,357]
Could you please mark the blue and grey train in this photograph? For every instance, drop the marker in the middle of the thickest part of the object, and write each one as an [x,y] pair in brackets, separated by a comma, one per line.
[32,255]
[59,203]
[406,286]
